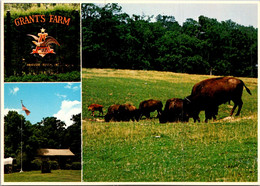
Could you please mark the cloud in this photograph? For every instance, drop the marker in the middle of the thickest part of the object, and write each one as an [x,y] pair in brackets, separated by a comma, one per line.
[60,95]
[67,110]
[6,110]
[70,86]
[75,88]
[14,90]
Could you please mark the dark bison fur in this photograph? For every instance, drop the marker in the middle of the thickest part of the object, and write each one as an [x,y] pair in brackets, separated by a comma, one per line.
[173,111]
[112,113]
[124,112]
[148,106]
[210,93]
[127,112]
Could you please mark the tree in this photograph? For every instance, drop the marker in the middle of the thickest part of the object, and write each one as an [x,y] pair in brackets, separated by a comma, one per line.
[113,39]
[15,136]
[73,136]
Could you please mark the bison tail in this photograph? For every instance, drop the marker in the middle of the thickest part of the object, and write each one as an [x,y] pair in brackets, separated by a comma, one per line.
[247,89]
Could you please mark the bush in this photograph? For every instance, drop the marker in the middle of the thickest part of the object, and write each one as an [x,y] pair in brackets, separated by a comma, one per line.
[36,164]
[68,166]
[54,165]
[76,166]
[69,76]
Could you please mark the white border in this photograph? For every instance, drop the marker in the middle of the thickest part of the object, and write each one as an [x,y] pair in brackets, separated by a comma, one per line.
[122,2]
[2,90]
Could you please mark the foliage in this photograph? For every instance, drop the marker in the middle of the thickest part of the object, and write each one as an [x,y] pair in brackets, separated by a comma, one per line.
[147,151]
[73,136]
[68,166]
[54,165]
[48,133]
[76,166]
[113,39]
[18,46]
[62,77]
[36,164]
[36,176]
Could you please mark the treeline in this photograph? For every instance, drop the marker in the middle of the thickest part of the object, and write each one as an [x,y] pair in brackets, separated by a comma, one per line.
[113,39]
[18,45]
[48,133]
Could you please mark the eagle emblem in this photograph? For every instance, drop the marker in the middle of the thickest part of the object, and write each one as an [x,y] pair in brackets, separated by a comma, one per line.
[43,43]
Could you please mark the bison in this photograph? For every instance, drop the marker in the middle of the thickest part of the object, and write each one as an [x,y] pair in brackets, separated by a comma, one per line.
[124,112]
[94,107]
[210,93]
[173,111]
[128,112]
[112,113]
[148,106]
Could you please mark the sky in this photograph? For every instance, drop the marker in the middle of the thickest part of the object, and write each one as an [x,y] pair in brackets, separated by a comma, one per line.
[61,100]
[242,13]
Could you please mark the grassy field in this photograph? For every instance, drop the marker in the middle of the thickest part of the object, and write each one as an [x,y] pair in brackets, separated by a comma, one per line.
[147,151]
[37,176]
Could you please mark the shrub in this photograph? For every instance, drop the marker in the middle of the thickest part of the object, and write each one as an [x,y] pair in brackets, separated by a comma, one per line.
[36,164]
[54,165]
[76,166]
[69,76]
[68,166]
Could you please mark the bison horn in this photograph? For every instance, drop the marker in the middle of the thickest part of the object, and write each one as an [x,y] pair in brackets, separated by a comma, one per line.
[188,100]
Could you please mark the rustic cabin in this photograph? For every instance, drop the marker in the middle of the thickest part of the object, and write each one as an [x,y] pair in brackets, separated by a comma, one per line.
[62,156]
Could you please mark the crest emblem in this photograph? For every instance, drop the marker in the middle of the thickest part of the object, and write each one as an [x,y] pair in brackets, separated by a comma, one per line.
[43,43]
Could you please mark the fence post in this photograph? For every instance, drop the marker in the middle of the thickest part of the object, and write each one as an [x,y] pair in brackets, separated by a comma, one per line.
[8,45]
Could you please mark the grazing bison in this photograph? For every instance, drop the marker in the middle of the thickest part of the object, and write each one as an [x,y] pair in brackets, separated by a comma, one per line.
[147,106]
[94,107]
[128,112]
[209,94]
[124,112]
[173,111]
[112,113]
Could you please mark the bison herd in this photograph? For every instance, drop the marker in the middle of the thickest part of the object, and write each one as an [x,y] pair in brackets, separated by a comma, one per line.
[206,96]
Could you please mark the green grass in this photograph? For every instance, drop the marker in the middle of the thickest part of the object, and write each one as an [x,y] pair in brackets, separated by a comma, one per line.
[37,176]
[147,151]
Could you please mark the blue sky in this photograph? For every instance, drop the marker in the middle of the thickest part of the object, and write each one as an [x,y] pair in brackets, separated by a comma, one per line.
[60,100]
[240,12]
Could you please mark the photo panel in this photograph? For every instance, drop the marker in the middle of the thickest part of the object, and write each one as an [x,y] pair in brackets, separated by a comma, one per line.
[42,132]
[169,92]
[42,42]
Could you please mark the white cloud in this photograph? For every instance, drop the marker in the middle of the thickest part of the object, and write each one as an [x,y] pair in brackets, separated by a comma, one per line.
[6,110]
[75,88]
[70,86]
[60,95]
[67,110]
[14,90]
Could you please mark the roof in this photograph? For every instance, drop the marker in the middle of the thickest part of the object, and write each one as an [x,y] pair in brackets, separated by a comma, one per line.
[8,161]
[54,152]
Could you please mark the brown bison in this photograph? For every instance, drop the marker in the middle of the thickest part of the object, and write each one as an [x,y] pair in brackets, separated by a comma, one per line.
[148,106]
[124,112]
[173,111]
[112,113]
[94,107]
[209,94]
[127,112]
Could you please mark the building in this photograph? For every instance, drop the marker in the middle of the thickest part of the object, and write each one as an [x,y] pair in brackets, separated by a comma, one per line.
[62,156]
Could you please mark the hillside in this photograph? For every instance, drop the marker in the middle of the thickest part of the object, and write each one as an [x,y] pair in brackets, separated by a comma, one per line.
[147,151]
